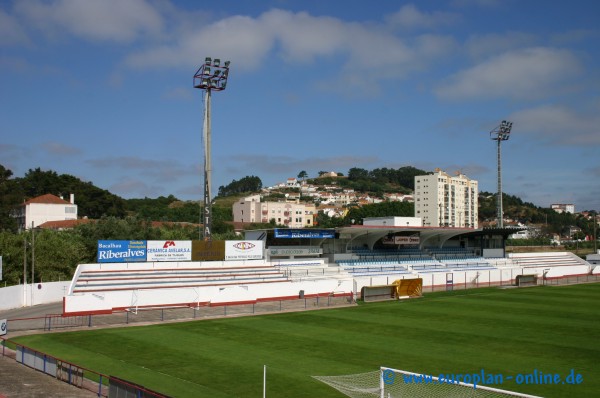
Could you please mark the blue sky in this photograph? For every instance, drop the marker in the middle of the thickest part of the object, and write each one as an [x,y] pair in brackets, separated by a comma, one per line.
[102,90]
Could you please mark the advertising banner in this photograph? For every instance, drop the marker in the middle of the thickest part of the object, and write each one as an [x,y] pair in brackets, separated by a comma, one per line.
[294,251]
[3,327]
[121,251]
[243,249]
[169,250]
[212,250]
[402,240]
[304,233]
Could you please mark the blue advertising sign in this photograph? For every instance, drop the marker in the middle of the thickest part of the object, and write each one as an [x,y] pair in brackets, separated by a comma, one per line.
[304,233]
[121,251]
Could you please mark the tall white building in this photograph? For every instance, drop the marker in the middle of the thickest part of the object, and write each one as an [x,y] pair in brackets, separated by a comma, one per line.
[442,200]
[291,214]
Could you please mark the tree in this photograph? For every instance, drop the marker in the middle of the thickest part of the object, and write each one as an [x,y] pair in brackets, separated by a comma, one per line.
[11,195]
[355,174]
[91,201]
[303,175]
[391,209]
[246,184]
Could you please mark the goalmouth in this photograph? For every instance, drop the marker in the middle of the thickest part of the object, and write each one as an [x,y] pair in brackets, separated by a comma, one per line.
[394,383]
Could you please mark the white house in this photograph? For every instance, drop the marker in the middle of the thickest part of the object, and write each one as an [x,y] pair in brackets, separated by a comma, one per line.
[41,209]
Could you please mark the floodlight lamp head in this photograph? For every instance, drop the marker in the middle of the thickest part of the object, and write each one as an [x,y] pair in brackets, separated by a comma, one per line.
[207,60]
[227,64]
[217,62]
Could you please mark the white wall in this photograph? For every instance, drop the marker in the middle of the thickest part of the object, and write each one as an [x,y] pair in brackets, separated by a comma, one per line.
[43,293]
[105,302]
[39,213]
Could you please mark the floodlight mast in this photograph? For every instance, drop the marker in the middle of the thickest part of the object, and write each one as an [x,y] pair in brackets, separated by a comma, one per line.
[211,76]
[499,134]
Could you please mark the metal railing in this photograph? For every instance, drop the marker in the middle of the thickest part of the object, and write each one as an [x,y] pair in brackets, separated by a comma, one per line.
[170,314]
[72,374]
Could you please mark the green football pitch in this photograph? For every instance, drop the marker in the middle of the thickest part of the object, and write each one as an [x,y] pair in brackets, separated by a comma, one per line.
[549,330]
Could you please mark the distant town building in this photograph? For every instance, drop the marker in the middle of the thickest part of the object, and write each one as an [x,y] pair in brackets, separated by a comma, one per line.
[292,214]
[563,208]
[328,174]
[392,221]
[442,200]
[41,209]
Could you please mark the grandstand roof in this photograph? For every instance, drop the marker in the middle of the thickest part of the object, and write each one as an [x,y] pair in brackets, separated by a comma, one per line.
[374,233]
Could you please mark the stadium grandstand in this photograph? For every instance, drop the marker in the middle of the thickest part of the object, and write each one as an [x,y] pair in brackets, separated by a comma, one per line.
[291,264]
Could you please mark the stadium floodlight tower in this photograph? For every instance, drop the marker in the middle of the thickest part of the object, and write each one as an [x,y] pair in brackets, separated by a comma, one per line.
[499,134]
[211,76]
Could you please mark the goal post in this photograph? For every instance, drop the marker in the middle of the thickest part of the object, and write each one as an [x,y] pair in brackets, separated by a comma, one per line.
[395,383]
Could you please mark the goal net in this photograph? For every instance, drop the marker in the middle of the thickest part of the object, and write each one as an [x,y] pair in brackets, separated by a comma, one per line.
[394,383]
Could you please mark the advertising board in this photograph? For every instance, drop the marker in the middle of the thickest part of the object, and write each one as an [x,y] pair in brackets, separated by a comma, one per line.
[212,250]
[402,240]
[121,251]
[304,233]
[244,249]
[286,251]
[169,250]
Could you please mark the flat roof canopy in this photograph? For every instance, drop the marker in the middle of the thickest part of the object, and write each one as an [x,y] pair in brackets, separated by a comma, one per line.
[358,235]
[371,234]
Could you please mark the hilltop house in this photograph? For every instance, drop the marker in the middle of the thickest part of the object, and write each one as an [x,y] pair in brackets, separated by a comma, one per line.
[36,211]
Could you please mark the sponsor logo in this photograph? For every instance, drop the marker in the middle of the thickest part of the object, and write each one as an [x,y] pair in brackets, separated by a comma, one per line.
[168,244]
[244,245]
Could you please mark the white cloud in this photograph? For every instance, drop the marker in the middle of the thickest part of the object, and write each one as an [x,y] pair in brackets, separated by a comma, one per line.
[233,38]
[11,33]
[522,74]
[152,169]
[106,20]
[481,46]
[59,149]
[559,125]
[409,17]
[130,187]
[477,3]
[369,53]
[302,36]
[178,93]
[240,163]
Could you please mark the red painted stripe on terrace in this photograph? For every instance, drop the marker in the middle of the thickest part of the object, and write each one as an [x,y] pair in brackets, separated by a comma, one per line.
[180,269]
[133,287]
[137,278]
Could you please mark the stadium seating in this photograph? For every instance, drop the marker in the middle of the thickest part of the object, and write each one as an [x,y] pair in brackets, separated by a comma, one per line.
[133,279]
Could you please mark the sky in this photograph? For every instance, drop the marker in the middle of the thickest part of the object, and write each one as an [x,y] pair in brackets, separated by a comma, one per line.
[103,90]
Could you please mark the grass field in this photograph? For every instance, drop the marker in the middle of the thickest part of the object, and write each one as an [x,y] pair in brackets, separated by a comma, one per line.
[507,331]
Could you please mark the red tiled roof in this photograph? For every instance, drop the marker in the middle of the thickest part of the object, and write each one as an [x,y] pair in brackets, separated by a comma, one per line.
[48,199]
[64,224]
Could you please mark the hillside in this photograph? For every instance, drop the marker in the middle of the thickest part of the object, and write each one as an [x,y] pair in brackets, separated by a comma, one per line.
[95,203]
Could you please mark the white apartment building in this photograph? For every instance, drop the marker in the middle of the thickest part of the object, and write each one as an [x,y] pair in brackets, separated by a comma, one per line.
[445,201]
[45,208]
[563,208]
[292,214]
